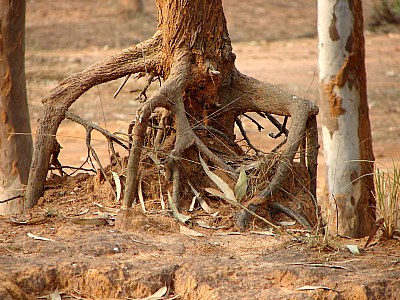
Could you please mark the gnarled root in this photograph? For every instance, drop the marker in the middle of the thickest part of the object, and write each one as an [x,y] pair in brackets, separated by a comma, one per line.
[263,97]
[68,91]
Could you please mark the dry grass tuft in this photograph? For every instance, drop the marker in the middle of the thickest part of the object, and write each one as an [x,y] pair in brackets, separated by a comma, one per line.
[387,196]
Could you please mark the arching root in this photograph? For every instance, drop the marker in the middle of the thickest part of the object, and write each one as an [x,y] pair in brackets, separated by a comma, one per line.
[58,101]
[263,97]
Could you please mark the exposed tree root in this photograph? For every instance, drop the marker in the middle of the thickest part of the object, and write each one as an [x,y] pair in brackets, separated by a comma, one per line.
[278,207]
[202,90]
[68,91]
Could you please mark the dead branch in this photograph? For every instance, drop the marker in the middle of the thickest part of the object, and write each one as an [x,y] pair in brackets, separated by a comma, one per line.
[96,157]
[244,134]
[122,85]
[74,118]
[73,168]
[143,96]
[281,127]
[259,126]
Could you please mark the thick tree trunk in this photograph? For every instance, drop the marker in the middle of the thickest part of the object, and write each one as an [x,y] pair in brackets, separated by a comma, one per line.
[349,207]
[15,131]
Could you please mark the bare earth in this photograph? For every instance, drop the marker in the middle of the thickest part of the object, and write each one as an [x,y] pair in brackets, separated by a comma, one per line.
[132,256]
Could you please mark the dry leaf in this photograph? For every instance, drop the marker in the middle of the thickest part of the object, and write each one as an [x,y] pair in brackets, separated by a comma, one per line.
[55,295]
[162,292]
[187,231]
[140,194]
[241,185]
[287,223]
[263,232]
[92,221]
[118,188]
[83,211]
[36,237]
[314,287]
[205,225]
[203,203]
[33,221]
[109,210]
[353,249]
[222,185]
[215,193]
[191,208]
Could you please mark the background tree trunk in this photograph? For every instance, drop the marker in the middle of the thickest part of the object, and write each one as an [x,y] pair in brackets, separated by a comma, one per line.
[350,205]
[15,138]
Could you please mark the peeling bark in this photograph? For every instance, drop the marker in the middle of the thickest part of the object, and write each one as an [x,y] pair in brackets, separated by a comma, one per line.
[346,128]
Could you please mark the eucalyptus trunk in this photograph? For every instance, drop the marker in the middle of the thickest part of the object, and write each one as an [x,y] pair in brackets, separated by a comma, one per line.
[349,206]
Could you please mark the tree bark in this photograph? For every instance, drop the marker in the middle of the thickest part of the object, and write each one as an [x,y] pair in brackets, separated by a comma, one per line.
[15,131]
[349,206]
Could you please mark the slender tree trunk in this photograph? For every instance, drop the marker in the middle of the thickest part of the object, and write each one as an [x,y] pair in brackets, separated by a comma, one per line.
[15,138]
[349,207]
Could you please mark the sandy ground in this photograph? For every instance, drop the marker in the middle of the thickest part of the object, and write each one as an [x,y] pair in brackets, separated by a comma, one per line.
[133,256]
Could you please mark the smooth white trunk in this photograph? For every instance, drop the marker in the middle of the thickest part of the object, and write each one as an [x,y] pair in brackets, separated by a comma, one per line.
[340,116]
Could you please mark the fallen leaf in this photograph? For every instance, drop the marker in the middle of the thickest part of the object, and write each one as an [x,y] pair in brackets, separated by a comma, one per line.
[205,206]
[33,221]
[205,225]
[215,193]
[118,188]
[36,237]
[83,211]
[187,231]
[191,208]
[263,232]
[222,185]
[91,221]
[110,210]
[140,194]
[287,223]
[157,295]
[241,185]
[353,249]
[55,296]
[315,265]
[203,203]
[314,287]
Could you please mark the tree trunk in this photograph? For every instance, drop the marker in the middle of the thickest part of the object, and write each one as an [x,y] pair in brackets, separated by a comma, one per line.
[192,52]
[350,205]
[15,131]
